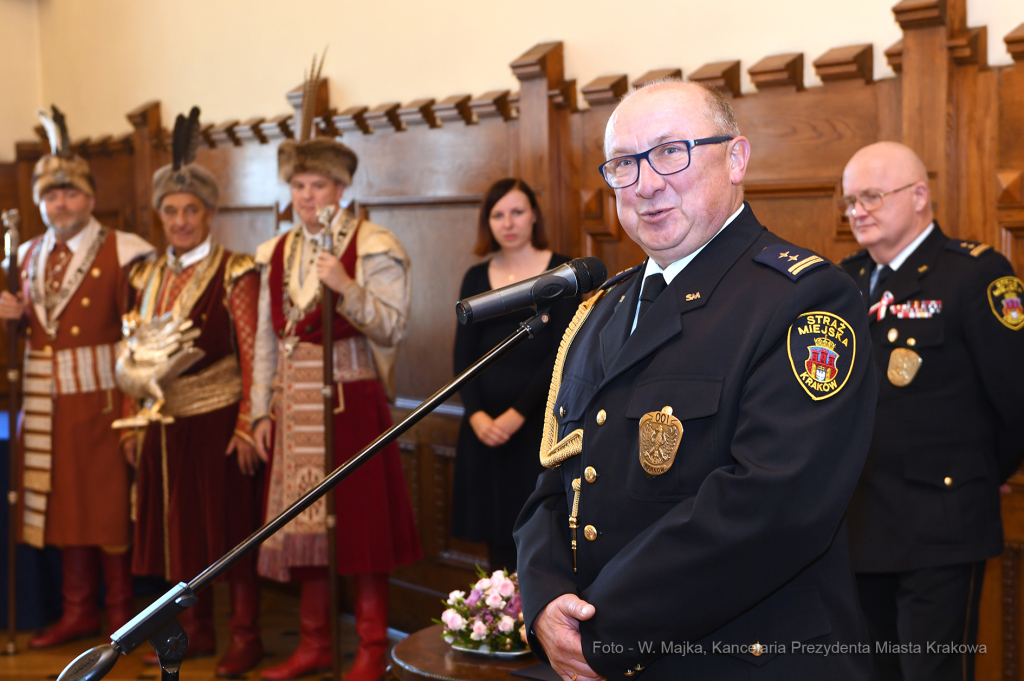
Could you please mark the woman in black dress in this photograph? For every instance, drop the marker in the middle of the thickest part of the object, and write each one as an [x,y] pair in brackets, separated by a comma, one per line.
[497,461]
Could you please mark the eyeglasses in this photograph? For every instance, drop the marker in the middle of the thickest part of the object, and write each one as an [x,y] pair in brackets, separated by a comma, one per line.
[665,159]
[871,200]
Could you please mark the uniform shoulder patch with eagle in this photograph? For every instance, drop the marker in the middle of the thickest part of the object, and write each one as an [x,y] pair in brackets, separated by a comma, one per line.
[1004,296]
[822,349]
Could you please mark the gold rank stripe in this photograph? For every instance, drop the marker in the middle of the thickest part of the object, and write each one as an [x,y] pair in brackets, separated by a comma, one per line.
[801,266]
[979,249]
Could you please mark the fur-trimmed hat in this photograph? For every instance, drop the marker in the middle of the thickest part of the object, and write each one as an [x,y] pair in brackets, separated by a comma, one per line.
[60,168]
[183,174]
[307,154]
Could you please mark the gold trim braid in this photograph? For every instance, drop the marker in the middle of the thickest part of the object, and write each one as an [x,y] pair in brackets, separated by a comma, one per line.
[215,387]
[551,454]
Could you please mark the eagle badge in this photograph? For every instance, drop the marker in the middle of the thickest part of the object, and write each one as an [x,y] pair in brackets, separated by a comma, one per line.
[822,349]
[1004,297]
[660,434]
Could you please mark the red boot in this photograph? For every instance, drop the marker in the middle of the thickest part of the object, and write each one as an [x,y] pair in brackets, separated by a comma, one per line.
[314,651]
[371,596]
[197,622]
[117,575]
[246,649]
[80,589]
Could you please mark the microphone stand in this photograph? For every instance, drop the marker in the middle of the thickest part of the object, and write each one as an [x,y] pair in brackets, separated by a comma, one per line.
[11,221]
[158,623]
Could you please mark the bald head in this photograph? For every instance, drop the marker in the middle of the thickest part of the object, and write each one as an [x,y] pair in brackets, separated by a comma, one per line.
[893,203]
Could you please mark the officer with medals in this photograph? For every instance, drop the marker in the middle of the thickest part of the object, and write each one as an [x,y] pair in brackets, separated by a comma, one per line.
[946,319]
[707,421]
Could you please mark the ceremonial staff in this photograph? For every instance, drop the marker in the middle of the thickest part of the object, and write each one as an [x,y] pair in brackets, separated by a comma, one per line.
[12,220]
[324,217]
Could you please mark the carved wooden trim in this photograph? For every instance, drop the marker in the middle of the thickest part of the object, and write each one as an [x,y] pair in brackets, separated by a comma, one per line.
[894,55]
[323,126]
[599,216]
[513,104]
[249,131]
[454,109]
[353,119]
[1011,186]
[145,120]
[779,70]
[97,146]
[920,13]
[1015,43]
[385,114]
[122,143]
[404,201]
[419,112]
[224,133]
[278,127]
[540,61]
[605,90]
[853,62]
[1011,604]
[721,75]
[564,96]
[657,74]
[493,104]
[970,47]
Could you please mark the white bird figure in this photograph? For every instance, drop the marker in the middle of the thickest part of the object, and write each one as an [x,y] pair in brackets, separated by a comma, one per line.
[152,355]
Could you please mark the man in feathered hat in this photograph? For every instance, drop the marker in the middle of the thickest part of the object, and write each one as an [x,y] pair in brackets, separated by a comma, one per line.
[375,530]
[211,496]
[74,484]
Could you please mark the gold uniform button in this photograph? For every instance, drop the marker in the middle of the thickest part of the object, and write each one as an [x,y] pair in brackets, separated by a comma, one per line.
[95,272]
[86,302]
[757,650]
[48,350]
[75,331]
[28,331]
[911,342]
[893,335]
[590,474]
[590,532]
[947,481]
[639,668]
[602,416]
[561,412]
[630,672]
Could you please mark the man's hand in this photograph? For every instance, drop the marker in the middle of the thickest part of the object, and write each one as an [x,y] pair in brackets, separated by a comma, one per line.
[558,628]
[11,307]
[330,271]
[130,449]
[261,433]
[487,430]
[248,458]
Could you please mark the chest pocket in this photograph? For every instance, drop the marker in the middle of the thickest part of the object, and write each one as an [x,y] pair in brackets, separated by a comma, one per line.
[913,333]
[573,397]
[694,401]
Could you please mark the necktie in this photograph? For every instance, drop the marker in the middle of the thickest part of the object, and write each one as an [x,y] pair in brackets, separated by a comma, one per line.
[876,290]
[653,286]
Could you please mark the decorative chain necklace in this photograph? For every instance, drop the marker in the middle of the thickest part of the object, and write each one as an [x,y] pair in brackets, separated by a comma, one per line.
[293,314]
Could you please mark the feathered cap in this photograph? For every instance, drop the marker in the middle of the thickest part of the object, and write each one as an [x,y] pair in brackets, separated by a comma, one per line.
[59,168]
[183,174]
[321,155]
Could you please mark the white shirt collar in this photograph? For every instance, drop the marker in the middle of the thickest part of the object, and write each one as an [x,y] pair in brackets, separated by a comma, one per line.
[906,252]
[191,257]
[675,268]
[316,238]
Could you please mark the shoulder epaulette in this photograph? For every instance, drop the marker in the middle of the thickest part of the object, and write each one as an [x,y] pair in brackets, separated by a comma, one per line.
[238,265]
[971,248]
[854,256]
[624,274]
[140,272]
[792,261]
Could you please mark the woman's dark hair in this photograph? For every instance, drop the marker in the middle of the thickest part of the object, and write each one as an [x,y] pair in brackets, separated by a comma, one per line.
[485,242]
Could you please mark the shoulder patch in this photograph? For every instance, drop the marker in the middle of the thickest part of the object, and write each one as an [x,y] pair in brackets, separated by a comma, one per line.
[237,266]
[1004,296]
[822,349]
[792,261]
[624,274]
[971,248]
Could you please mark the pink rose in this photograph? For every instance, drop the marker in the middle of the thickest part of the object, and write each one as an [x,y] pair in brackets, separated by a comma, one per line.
[479,631]
[495,602]
[482,585]
[454,596]
[453,620]
[506,624]
[498,576]
[507,588]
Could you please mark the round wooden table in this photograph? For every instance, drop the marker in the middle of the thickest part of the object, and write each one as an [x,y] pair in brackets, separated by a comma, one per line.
[425,655]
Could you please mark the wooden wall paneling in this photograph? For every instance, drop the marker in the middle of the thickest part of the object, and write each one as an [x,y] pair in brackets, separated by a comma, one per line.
[723,75]
[8,201]
[657,74]
[149,156]
[1010,163]
[779,70]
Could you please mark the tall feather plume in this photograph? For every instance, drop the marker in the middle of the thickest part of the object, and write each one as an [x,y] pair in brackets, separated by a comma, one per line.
[62,126]
[185,141]
[178,142]
[52,133]
[309,97]
[192,137]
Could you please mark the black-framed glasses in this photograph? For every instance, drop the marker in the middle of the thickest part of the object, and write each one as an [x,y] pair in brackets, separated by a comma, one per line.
[870,199]
[665,159]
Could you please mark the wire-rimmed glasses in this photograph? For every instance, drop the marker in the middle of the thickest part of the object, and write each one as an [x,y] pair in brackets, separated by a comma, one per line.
[871,199]
[665,159]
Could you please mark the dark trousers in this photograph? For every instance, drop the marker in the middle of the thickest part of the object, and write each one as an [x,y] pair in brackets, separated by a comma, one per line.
[923,624]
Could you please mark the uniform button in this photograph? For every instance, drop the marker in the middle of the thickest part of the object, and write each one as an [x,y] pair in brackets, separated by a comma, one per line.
[602,416]
[28,331]
[893,335]
[947,481]
[561,412]
[48,350]
[666,410]
[590,474]
[756,650]
[590,532]
[75,331]
[630,672]
[95,272]
[639,668]
[86,302]
[911,342]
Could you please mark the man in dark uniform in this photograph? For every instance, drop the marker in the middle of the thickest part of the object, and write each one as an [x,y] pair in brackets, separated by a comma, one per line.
[946,321]
[706,426]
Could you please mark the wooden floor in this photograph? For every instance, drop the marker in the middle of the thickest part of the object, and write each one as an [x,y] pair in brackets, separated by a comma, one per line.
[279,618]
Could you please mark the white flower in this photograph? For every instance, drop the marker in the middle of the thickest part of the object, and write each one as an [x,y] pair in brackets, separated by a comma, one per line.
[495,602]
[479,631]
[506,624]
[455,596]
[498,576]
[483,584]
[453,620]
[507,588]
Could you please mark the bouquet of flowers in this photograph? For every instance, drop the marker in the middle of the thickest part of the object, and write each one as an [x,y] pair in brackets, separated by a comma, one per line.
[489,619]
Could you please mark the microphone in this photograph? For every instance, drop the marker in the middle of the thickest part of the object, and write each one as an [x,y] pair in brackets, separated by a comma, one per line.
[574,278]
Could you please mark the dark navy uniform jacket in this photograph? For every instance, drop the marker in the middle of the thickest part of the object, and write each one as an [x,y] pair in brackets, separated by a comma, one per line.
[943,442]
[761,350]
